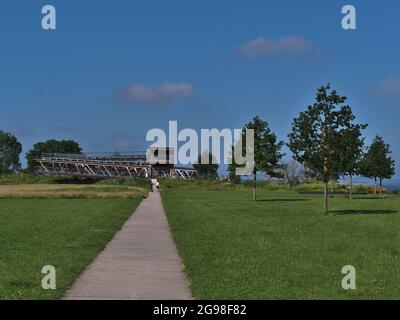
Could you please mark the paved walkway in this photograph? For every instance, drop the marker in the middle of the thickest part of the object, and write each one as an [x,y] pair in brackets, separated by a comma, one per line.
[140,262]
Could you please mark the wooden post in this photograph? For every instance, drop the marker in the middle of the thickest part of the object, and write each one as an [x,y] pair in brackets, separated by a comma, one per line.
[254,185]
[326,186]
[351,186]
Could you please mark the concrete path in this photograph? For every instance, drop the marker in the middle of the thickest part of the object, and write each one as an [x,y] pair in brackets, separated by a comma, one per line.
[140,262]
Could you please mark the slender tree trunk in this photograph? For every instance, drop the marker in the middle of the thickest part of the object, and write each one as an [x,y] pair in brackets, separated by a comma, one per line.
[326,197]
[351,186]
[375,185]
[380,186]
[254,185]
[326,186]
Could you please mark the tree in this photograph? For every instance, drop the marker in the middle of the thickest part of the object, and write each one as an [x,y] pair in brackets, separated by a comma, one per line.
[293,173]
[267,151]
[233,177]
[206,170]
[10,150]
[51,146]
[316,137]
[377,162]
[351,152]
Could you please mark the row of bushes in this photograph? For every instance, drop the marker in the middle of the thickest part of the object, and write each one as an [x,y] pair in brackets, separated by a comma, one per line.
[24,178]
[213,184]
[171,183]
[335,187]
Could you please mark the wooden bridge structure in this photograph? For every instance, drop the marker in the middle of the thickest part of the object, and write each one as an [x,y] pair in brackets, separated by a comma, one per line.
[102,165]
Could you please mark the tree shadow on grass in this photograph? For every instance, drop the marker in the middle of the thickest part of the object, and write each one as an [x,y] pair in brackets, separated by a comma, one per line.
[283,200]
[345,212]
[370,198]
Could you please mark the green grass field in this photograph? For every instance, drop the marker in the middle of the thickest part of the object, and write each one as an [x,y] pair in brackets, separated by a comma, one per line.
[65,233]
[283,247]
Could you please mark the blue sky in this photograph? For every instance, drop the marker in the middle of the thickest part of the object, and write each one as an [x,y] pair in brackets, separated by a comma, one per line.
[112,70]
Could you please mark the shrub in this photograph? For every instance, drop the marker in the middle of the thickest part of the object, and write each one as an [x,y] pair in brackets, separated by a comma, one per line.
[25,178]
[378,190]
[136,182]
[265,185]
[319,187]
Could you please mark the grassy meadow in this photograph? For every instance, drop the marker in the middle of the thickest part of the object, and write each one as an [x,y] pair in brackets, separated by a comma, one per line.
[279,247]
[282,246]
[64,225]
[65,233]
[70,191]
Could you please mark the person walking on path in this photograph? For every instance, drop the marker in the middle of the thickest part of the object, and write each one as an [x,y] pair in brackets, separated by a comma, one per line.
[152,184]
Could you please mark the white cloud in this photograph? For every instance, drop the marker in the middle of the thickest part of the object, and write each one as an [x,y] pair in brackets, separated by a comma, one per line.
[164,92]
[265,47]
[387,87]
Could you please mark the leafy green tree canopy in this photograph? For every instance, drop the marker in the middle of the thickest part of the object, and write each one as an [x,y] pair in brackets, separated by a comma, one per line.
[351,152]
[267,151]
[267,148]
[233,177]
[316,140]
[316,137]
[10,150]
[377,162]
[51,146]
[206,170]
[352,149]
